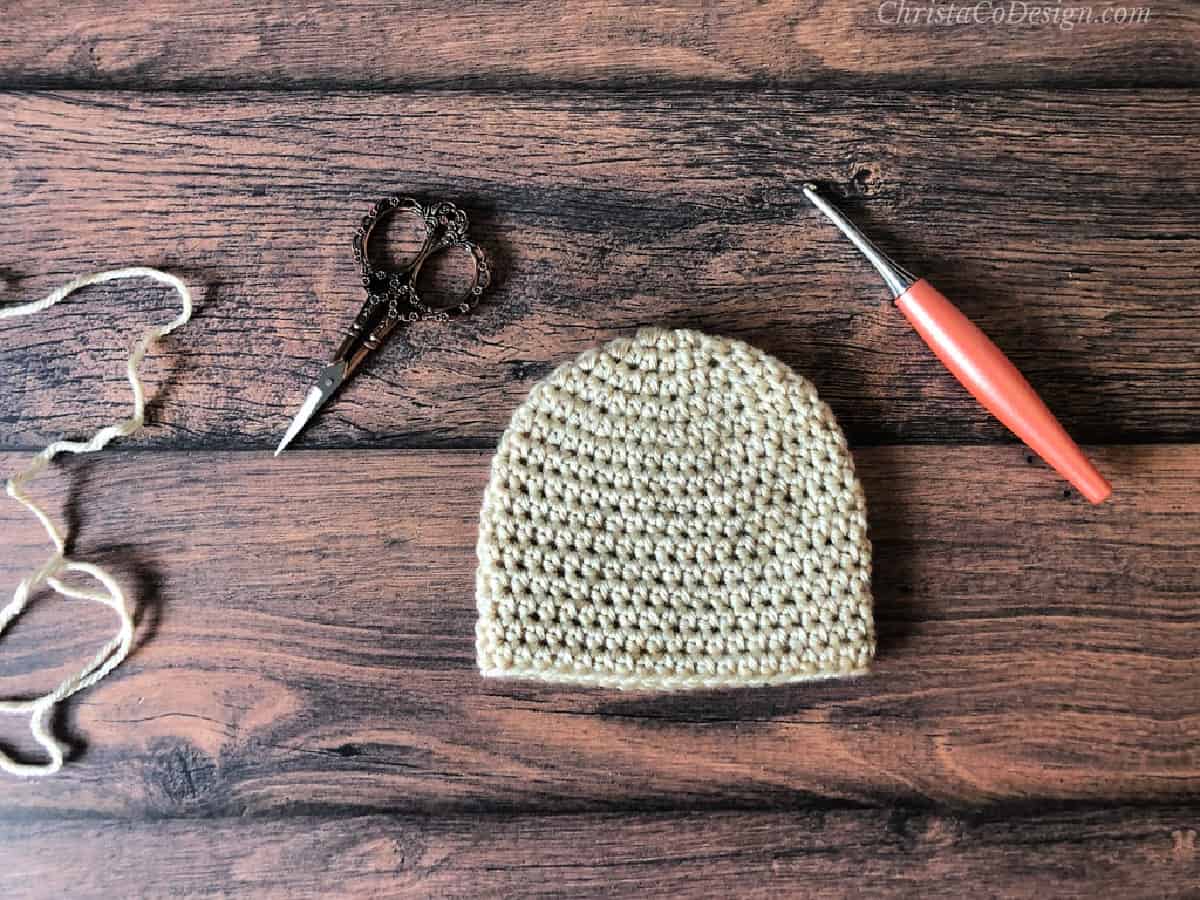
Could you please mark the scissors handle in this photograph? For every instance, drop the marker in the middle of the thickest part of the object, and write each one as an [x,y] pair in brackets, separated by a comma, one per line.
[392,295]
[445,229]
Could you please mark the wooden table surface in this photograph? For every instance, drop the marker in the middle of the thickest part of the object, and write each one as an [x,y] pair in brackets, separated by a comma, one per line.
[302,714]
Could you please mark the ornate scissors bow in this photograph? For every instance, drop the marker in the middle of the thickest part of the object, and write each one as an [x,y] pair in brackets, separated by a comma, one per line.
[392,295]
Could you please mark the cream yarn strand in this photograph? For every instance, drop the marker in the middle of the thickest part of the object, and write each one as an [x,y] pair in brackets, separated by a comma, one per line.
[111,654]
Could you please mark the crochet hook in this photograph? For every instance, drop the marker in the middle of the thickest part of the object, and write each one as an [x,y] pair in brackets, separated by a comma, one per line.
[975,361]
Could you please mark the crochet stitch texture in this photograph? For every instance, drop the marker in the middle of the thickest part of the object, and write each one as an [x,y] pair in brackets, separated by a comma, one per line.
[673,511]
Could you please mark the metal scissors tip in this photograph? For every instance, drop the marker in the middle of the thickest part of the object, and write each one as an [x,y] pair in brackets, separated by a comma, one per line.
[310,405]
[328,381]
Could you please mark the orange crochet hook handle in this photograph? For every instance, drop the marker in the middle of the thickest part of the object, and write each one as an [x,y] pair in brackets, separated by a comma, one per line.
[995,382]
[975,361]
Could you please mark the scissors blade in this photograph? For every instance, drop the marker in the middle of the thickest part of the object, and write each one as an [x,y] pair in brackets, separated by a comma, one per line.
[328,381]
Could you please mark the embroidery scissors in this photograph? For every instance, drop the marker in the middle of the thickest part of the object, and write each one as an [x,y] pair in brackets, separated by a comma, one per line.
[392,295]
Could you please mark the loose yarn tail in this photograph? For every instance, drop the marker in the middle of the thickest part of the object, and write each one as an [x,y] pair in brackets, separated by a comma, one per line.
[40,709]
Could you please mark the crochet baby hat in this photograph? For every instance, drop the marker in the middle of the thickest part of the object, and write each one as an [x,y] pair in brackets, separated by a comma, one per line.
[673,511]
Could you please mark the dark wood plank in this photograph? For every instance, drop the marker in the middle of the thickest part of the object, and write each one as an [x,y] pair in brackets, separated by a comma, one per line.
[1065,226]
[1120,852]
[166,43]
[308,630]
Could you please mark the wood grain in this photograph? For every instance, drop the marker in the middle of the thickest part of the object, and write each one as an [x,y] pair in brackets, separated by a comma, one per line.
[166,43]
[1064,225]
[1125,852]
[307,646]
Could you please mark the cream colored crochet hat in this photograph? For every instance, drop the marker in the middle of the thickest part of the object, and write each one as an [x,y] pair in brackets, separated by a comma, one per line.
[673,511]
